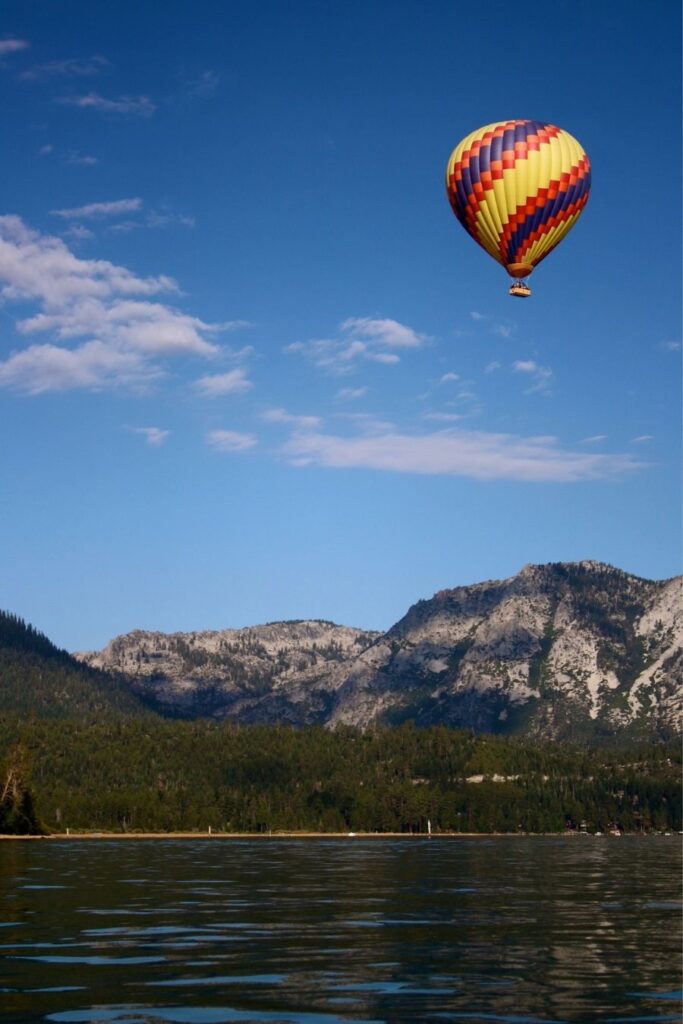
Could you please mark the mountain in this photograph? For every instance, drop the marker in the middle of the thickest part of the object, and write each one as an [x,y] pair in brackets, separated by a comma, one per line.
[564,650]
[246,674]
[37,678]
[559,650]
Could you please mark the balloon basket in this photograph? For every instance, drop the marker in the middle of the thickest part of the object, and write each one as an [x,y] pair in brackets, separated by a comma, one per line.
[520,289]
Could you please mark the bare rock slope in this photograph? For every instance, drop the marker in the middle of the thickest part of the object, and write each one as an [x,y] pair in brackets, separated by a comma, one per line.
[560,650]
[245,674]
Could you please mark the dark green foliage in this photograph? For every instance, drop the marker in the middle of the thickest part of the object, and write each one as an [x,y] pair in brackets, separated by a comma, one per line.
[157,775]
[38,678]
[17,813]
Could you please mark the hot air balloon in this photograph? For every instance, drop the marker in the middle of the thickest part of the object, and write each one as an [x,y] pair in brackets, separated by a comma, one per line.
[518,187]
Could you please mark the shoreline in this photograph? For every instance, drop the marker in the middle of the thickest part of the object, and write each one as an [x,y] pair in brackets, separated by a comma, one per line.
[151,836]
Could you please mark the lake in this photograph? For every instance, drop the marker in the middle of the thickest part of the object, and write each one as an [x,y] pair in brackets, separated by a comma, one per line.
[322,931]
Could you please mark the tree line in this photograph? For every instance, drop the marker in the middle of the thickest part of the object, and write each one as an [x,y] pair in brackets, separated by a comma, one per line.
[149,774]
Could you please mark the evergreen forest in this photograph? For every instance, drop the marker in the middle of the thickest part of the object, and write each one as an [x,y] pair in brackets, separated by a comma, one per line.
[154,775]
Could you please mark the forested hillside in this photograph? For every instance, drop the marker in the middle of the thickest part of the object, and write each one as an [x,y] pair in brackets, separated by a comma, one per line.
[146,774]
[39,679]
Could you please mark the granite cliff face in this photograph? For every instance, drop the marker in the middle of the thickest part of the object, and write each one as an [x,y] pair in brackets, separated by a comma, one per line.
[565,650]
[558,650]
[245,674]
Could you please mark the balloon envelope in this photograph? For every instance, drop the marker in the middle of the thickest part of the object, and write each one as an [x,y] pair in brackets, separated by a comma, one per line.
[518,187]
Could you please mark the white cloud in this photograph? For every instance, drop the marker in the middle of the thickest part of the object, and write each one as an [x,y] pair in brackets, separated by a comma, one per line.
[215,385]
[77,159]
[93,366]
[150,327]
[154,219]
[388,333]
[8,46]
[41,267]
[642,439]
[230,441]
[478,316]
[595,439]
[204,84]
[94,211]
[139,106]
[105,306]
[46,150]
[503,330]
[492,366]
[369,423]
[670,346]
[350,394]
[79,233]
[478,455]
[362,338]
[525,366]
[443,417]
[449,377]
[153,435]
[75,67]
[541,375]
[300,422]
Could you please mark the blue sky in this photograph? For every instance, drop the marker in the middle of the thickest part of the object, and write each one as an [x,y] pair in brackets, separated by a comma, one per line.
[252,368]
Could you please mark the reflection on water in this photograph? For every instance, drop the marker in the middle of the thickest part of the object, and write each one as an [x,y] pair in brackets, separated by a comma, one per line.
[518,930]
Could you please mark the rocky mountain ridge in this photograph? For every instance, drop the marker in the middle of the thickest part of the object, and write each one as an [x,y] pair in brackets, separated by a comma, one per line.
[228,672]
[566,650]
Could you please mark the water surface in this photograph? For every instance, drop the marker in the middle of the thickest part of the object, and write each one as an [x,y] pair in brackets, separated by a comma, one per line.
[322,931]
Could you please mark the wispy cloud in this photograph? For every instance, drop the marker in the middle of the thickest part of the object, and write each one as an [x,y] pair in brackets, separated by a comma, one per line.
[478,455]
[119,208]
[79,233]
[46,149]
[215,385]
[154,436]
[203,84]
[670,346]
[595,439]
[93,366]
[164,219]
[448,377]
[123,326]
[443,417]
[387,333]
[369,423]
[361,338]
[12,45]
[299,422]
[228,441]
[504,330]
[541,376]
[77,159]
[137,106]
[351,394]
[75,67]
[96,211]
[154,219]
[642,439]
[492,366]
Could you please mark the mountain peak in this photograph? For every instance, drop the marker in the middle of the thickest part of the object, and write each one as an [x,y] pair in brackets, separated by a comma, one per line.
[562,649]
